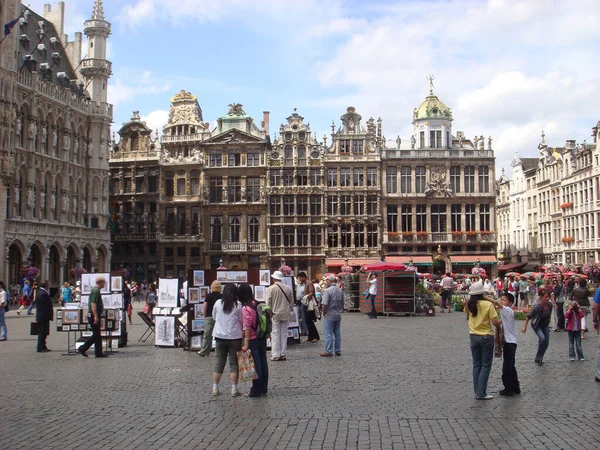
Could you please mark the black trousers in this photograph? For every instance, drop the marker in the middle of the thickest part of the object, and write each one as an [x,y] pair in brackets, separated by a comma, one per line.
[509,372]
[95,339]
[313,333]
[560,315]
[43,332]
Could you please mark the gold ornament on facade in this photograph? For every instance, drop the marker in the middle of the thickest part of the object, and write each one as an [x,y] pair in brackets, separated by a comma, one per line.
[183,96]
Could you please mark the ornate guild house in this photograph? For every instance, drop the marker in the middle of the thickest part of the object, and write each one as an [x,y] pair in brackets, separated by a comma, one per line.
[54,141]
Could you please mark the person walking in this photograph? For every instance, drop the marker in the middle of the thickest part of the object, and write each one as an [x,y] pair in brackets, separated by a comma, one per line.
[447,285]
[308,301]
[301,288]
[26,299]
[228,333]
[44,314]
[560,293]
[34,292]
[372,282]
[3,305]
[280,299]
[574,316]
[540,317]
[127,304]
[95,310]
[209,322]
[481,316]
[581,295]
[333,307]
[257,346]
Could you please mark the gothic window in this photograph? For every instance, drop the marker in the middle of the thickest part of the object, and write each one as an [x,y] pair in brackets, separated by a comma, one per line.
[391,180]
[484,217]
[435,138]
[253,189]
[275,205]
[288,205]
[332,204]
[135,143]
[372,235]
[470,218]
[455,179]
[469,179]
[181,186]
[315,206]
[421,218]
[152,184]
[484,179]
[344,146]
[359,205]
[288,177]
[275,237]
[116,186]
[456,217]
[315,237]
[253,228]
[422,139]
[233,160]
[302,236]
[359,235]
[332,236]
[234,189]
[289,237]
[346,231]
[181,221]
[216,229]
[405,179]
[420,179]
[234,228]
[406,218]
[371,176]
[438,219]
[345,204]
[345,177]
[216,189]
[139,183]
[169,221]
[332,177]
[288,156]
[302,155]
[357,147]
[302,205]
[195,182]
[169,186]
[392,218]
[128,185]
[275,178]
[359,177]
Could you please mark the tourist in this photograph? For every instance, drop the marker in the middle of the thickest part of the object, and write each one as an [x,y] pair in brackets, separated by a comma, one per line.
[531,291]
[281,300]
[77,292]
[26,298]
[372,282]
[595,318]
[258,347]
[227,313]
[523,286]
[127,305]
[333,307]
[581,295]
[65,294]
[209,322]
[44,314]
[308,301]
[540,316]
[574,316]
[34,292]
[510,378]
[481,316]
[151,300]
[317,287]
[560,293]
[488,287]
[95,310]
[300,293]
[447,285]
[3,304]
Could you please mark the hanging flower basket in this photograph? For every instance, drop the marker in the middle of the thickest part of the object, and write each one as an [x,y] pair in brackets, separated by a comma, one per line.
[566,205]
[568,239]
[124,272]
[286,270]
[30,272]
[76,272]
[471,233]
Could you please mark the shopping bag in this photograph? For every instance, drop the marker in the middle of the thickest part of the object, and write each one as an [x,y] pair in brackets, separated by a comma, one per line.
[246,369]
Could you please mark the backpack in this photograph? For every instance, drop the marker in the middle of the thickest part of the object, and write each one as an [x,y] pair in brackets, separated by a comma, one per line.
[263,325]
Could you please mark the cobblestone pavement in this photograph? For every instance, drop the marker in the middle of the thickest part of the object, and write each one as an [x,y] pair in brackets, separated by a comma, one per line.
[400,383]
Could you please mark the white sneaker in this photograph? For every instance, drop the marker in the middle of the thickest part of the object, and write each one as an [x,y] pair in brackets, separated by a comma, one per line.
[487,397]
[582,359]
[216,391]
[572,359]
[235,392]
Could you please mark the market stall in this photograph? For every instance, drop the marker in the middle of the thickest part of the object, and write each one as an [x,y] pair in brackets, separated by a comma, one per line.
[395,290]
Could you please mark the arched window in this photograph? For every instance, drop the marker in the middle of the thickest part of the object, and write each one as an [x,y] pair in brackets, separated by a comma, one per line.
[253,229]
[234,229]
[135,142]
[288,156]
[216,230]
[301,155]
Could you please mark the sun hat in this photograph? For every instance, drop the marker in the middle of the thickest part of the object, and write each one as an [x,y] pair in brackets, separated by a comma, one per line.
[277,275]
[477,289]
[331,277]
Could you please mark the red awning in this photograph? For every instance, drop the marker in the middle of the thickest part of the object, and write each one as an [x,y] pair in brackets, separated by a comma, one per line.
[383,265]
[472,259]
[417,260]
[511,267]
[352,262]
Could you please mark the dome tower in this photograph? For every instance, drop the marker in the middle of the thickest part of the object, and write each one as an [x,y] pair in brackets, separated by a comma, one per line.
[432,123]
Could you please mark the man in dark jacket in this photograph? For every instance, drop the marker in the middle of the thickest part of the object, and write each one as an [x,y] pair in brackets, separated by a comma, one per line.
[44,314]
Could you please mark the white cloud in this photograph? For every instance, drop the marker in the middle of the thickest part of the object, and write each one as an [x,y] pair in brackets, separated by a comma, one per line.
[129,83]
[156,120]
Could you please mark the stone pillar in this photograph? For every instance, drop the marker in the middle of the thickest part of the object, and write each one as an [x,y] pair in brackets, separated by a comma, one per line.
[3,188]
[45,269]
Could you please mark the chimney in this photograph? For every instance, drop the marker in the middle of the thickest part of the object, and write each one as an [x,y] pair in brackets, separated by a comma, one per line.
[266,121]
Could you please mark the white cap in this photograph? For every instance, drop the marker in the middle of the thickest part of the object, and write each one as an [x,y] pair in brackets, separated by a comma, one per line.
[477,288]
[277,275]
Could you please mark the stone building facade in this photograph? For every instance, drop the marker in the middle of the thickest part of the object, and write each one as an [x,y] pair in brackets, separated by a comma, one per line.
[134,197]
[54,139]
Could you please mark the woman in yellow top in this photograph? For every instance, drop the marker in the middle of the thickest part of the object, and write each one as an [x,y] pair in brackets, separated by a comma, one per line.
[481,315]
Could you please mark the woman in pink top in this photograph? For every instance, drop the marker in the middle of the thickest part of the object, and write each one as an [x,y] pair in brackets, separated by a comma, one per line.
[258,347]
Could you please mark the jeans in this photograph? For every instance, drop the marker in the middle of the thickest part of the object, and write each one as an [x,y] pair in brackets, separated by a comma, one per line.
[371,297]
[598,360]
[446,297]
[509,372]
[543,333]
[560,315]
[30,308]
[209,324]
[279,339]
[482,350]
[258,348]
[575,343]
[225,348]
[332,332]
[2,324]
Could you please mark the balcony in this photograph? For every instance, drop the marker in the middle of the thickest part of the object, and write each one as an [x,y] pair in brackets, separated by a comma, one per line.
[436,153]
[183,138]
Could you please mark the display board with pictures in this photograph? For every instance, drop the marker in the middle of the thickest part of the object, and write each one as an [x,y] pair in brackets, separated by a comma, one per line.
[168,292]
[195,325]
[294,321]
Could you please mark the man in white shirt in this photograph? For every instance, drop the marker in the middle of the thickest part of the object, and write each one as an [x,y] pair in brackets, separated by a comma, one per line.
[280,299]
[372,283]
[447,287]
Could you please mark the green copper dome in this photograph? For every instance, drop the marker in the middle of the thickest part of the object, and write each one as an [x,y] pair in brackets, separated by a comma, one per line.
[432,108]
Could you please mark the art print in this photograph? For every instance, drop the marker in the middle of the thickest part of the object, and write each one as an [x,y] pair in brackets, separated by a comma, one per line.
[293,321]
[198,278]
[66,327]
[232,276]
[85,301]
[260,293]
[116,284]
[296,333]
[198,325]
[102,323]
[59,314]
[203,293]
[165,331]
[88,281]
[110,314]
[265,277]
[59,322]
[110,325]
[290,334]
[74,327]
[168,292]
[198,310]
[116,300]
[289,281]
[194,295]
[195,342]
[70,316]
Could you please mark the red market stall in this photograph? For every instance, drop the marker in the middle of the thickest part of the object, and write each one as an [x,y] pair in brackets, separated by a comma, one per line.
[395,289]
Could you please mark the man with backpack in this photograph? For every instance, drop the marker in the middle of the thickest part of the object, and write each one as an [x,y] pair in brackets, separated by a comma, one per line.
[280,299]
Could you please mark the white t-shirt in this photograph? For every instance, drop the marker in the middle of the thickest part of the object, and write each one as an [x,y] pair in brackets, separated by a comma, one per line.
[373,286]
[227,326]
[508,324]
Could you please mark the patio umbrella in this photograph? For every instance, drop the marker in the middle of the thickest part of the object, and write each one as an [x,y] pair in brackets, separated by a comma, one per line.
[570,273]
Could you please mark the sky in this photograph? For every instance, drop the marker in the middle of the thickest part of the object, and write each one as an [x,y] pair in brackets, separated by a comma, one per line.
[508,68]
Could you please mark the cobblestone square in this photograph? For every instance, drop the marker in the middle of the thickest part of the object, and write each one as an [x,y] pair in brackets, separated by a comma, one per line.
[401,382]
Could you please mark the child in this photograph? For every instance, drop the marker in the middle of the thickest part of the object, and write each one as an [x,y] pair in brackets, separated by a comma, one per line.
[509,346]
[574,315]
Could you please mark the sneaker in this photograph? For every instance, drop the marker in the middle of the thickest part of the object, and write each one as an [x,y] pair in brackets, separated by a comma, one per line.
[505,393]
[572,359]
[216,391]
[485,397]
[275,358]
[597,379]
[235,392]
[582,359]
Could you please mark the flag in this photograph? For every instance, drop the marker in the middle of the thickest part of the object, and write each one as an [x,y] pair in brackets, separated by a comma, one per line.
[9,26]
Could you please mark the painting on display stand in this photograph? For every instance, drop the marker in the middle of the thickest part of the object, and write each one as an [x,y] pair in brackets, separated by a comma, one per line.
[194,295]
[85,302]
[232,276]
[195,342]
[88,281]
[70,316]
[168,290]
[198,278]
[203,293]
[293,321]
[116,300]
[198,324]
[116,284]
[265,277]
[260,293]
[165,331]
[198,310]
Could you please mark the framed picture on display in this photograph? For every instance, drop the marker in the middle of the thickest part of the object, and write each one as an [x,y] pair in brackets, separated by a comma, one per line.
[265,277]
[110,325]
[116,300]
[196,342]
[116,284]
[66,328]
[59,322]
[71,316]
[198,278]
[74,327]
[194,295]
[85,302]
[293,321]
[289,281]
[110,314]
[203,293]
[296,333]
[260,293]
[165,331]
[198,325]
[88,281]
[198,310]
[232,276]
[168,292]
[59,314]
[290,333]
